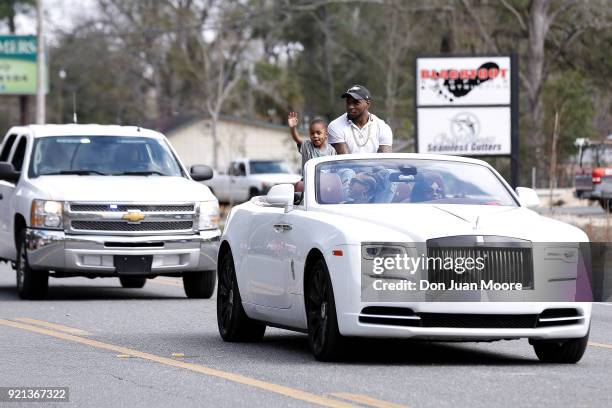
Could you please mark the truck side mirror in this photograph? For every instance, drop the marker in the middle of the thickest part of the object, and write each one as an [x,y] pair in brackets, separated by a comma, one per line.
[201,172]
[8,172]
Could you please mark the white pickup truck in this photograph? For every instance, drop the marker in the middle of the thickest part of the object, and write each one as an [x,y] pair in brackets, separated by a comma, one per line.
[247,178]
[104,201]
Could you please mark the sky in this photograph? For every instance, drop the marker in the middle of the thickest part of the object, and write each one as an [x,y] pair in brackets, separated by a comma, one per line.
[60,15]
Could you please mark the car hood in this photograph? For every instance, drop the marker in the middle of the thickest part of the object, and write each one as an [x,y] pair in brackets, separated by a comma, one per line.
[120,189]
[420,222]
[276,178]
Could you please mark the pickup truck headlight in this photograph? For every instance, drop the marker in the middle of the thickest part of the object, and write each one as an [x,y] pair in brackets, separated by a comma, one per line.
[209,215]
[47,214]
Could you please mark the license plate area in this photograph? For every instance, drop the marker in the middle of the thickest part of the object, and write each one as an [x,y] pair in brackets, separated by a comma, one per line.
[133,264]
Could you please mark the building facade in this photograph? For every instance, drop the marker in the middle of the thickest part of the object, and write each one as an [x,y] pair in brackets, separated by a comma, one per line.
[192,139]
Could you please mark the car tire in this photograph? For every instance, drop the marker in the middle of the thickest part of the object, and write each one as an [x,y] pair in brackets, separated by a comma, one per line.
[199,285]
[233,322]
[605,204]
[324,338]
[253,192]
[132,282]
[566,351]
[31,284]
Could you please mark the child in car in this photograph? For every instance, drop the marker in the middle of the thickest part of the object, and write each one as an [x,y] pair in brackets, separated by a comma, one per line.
[316,145]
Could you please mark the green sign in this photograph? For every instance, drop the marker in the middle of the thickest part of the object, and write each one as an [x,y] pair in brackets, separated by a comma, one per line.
[17,65]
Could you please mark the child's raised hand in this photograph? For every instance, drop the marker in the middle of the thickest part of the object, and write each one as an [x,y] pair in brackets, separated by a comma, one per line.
[292,120]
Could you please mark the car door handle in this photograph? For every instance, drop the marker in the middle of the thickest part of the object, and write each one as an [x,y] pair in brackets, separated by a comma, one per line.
[1,196]
[282,227]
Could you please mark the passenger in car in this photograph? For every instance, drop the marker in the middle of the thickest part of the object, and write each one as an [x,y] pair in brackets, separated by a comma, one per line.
[427,188]
[316,145]
[362,189]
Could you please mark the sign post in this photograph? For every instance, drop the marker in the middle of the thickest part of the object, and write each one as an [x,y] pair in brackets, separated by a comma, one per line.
[468,105]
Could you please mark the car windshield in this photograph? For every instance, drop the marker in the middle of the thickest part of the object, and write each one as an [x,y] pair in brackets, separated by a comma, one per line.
[409,181]
[103,155]
[269,166]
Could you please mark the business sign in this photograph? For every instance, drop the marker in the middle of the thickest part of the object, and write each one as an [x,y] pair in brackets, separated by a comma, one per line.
[464,131]
[463,81]
[18,65]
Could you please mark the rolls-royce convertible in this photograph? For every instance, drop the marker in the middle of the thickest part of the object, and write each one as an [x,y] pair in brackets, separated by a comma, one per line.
[303,261]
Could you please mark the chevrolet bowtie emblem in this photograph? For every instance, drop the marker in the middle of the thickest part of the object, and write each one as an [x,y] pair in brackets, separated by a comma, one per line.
[133,216]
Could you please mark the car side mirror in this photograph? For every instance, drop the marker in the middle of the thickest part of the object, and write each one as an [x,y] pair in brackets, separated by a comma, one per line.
[201,172]
[8,172]
[281,195]
[528,197]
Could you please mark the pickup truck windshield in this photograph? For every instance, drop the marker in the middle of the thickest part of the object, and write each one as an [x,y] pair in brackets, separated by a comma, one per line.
[269,166]
[596,156]
[103,155]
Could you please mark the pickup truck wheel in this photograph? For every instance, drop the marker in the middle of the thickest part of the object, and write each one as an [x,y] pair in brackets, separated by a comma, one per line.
[234,324]
[132,282]
[568,351]
[606,205]
[199,285]
[324,338]
[253,192]
[31,284]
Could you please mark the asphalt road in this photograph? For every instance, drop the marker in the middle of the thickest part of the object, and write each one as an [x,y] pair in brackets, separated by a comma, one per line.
[154,347]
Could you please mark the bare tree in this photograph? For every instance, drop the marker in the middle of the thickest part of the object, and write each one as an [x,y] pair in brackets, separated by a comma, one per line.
[215,56]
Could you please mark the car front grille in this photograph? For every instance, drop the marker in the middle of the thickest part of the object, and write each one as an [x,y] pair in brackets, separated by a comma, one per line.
[122,226]
[478,321]
[506,260]
[405,317]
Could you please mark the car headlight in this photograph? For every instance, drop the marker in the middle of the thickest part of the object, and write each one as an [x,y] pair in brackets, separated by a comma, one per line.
[388,261]
[47,214]
[209,215]
[371,251]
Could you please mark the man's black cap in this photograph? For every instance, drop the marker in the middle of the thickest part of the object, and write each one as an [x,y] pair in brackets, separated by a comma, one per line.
[358,92]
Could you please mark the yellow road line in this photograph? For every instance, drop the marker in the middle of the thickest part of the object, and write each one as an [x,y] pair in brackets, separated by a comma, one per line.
[237,378]
[602,345]
[169,282]
[366,400]
[62,328]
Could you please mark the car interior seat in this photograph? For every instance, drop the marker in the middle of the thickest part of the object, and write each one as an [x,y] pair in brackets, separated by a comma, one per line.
[330,188]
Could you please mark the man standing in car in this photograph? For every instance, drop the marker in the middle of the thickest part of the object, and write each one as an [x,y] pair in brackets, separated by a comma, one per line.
[358,130]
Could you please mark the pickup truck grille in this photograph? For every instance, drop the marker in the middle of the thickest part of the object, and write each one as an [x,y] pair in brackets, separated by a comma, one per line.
[118,218]
[122,226]
[127,207]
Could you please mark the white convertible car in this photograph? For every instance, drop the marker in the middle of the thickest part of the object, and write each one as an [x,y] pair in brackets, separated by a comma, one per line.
[299,260]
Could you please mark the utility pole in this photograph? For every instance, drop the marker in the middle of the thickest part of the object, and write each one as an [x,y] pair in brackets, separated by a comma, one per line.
[40,64]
